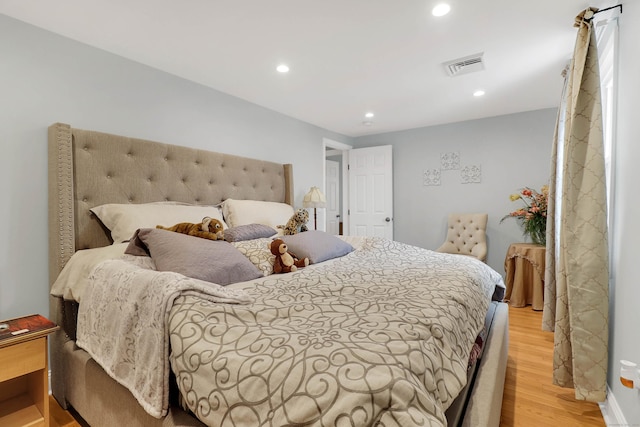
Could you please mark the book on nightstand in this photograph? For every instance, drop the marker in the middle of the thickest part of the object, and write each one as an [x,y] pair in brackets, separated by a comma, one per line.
[24,328]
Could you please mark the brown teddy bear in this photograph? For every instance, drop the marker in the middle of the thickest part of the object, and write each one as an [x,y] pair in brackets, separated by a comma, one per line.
[285,261]
[209,228]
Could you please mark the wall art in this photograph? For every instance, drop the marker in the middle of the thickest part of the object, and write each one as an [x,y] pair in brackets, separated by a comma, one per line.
[450,161]
[431,177]
[471,174]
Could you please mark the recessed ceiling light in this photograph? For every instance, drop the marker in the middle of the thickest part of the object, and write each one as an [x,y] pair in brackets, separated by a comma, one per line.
[368,115]
[478,93]
[440,9]
[282,68]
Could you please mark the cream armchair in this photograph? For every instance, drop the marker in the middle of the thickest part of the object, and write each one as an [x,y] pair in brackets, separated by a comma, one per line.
[466,235]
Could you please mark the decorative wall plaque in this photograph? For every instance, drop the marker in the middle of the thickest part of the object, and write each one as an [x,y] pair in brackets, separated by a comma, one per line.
[450,161]
[471,174]
[431,177]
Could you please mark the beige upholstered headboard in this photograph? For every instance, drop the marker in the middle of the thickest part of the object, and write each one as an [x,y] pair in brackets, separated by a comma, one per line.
[88,169]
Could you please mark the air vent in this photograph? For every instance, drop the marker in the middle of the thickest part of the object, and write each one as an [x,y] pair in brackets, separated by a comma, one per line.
[468,64]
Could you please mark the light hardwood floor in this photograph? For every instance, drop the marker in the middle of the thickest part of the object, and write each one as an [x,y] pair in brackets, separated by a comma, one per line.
[530,398]
[59,417]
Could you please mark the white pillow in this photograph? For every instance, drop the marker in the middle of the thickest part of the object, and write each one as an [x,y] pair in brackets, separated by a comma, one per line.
[244,212]
[124,219]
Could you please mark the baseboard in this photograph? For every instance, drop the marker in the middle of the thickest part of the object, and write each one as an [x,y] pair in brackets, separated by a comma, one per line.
[611,411]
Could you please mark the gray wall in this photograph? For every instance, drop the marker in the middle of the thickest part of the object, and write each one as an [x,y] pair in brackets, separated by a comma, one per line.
[513,151]
[45,78]
[625,286]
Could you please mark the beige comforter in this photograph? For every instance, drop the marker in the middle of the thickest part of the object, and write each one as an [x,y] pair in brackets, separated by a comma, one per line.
[378,337]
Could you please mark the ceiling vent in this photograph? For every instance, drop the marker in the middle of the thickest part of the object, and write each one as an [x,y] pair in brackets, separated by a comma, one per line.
[468,64]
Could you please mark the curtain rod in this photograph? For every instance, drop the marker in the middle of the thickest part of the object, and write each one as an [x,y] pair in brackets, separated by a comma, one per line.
[605,9]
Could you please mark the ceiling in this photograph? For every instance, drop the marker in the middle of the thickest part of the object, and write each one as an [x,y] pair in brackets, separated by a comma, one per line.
[346,57]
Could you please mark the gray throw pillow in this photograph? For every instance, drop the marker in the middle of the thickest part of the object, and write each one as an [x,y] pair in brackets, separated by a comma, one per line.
[213,261]
[248,232]
[316,245]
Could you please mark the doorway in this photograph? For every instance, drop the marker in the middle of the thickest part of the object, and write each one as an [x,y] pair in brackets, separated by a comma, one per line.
[334,216]
[372,191]
[333,183]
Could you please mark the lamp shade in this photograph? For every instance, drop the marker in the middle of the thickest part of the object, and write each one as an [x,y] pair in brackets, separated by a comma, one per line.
[314,199]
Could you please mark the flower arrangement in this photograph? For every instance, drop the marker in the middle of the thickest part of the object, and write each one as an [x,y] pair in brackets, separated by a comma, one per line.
[533,216]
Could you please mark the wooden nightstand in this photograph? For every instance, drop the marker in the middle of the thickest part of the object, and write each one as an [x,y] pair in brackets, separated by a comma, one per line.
[24,376]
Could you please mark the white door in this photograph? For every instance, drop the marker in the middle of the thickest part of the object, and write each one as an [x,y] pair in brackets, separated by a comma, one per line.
[332,190]
[371,192]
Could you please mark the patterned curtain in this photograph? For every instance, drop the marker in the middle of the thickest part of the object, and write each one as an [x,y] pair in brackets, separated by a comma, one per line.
[577,276]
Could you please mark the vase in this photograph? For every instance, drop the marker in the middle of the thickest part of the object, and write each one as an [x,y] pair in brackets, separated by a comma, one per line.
[538,237]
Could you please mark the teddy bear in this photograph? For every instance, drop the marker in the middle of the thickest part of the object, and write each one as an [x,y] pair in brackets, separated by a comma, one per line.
[285,261]
[297,223]
[209,228]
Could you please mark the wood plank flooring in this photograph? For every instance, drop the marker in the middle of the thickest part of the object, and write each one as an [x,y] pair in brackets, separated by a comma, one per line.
[530,398]
[58,417]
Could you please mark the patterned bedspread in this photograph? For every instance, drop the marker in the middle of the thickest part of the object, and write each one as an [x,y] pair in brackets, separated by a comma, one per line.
[378,337]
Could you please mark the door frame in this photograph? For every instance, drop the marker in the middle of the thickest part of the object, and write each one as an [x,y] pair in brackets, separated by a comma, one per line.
[344,148]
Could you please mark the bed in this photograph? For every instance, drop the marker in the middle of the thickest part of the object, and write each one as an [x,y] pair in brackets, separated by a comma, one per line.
[264,370]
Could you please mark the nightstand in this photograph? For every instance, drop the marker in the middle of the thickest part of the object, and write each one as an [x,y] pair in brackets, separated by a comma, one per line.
[524,265]
[24,376]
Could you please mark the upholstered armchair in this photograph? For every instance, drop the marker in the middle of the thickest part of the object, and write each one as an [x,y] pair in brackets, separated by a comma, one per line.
[466,235]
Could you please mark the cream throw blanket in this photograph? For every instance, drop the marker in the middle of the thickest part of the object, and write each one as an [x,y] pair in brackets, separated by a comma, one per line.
[123,322]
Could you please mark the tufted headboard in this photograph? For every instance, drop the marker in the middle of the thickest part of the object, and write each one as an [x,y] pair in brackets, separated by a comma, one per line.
[88,169]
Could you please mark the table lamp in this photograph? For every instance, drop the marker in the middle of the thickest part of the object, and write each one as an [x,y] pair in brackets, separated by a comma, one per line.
[314,199]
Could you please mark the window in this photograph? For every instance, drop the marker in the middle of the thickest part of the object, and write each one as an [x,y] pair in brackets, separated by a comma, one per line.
[607,40]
